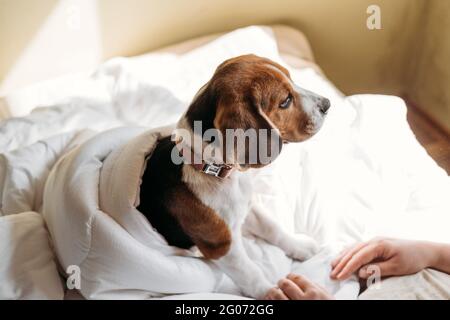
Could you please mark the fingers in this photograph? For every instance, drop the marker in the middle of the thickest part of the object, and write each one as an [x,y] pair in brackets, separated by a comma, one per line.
[344,258]
[297,287]
[276,294]
[291,289]
[340,256]
[365,271]
[384,269]
[360,258]
[300,281]
[345,252]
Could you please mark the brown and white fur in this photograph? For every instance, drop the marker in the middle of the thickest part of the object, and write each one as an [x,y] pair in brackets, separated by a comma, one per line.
[189,207]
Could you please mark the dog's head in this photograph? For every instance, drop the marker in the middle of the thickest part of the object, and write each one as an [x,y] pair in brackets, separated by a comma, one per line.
[250,92]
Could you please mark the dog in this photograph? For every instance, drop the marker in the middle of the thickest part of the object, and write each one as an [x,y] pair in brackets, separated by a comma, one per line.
[208,204]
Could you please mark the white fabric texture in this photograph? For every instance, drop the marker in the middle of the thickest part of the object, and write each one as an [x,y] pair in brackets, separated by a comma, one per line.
[27,267]
[427,284]
[364,174]
[95,186]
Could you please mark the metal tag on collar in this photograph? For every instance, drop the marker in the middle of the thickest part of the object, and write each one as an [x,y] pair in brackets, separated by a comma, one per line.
[212,169]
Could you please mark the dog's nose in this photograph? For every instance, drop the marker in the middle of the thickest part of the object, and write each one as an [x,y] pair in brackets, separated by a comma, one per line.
[324,105]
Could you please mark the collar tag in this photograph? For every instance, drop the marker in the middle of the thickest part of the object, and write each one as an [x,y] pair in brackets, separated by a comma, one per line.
[212,169]
[220,171]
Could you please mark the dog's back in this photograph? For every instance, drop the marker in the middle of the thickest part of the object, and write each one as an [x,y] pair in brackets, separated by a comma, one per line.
[160,178]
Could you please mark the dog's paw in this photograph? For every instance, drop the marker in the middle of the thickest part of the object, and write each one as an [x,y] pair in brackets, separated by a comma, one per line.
[301,247]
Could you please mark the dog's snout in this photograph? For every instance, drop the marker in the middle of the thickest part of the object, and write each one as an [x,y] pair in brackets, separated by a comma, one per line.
[324,105]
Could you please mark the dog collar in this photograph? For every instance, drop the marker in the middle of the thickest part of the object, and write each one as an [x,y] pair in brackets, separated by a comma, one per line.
[220,171]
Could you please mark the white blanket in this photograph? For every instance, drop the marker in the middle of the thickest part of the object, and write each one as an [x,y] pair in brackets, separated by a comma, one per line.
[27,266]
[89,205]
[364,174]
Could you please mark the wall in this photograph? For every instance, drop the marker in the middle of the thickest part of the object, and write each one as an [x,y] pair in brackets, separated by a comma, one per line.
[428,79]
[40,39]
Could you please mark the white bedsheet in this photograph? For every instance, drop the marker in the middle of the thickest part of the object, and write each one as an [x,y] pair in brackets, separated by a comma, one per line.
[364,174]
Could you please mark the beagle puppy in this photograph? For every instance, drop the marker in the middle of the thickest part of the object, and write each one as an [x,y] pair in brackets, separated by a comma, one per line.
[207,203]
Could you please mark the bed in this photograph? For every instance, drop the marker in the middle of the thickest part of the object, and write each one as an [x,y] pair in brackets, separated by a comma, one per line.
[363,175]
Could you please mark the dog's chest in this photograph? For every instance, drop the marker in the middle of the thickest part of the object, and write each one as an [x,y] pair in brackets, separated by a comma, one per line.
[232,201]
[230,198]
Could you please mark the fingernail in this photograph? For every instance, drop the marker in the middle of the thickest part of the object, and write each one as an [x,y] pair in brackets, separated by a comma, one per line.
[281,283]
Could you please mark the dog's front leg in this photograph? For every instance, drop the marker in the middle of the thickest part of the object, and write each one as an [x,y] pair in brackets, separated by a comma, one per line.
[297,246]
[245,273]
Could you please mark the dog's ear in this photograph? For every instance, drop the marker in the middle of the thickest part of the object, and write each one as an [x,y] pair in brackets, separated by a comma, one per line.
[203,108]
[251,139]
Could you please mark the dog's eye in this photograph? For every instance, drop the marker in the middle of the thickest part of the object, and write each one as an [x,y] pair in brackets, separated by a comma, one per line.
[287,102]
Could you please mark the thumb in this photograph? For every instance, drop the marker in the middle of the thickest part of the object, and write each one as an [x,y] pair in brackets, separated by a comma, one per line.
[383,269]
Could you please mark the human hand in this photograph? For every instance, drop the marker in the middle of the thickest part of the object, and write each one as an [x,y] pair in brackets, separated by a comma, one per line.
[393,257]
[296,287]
